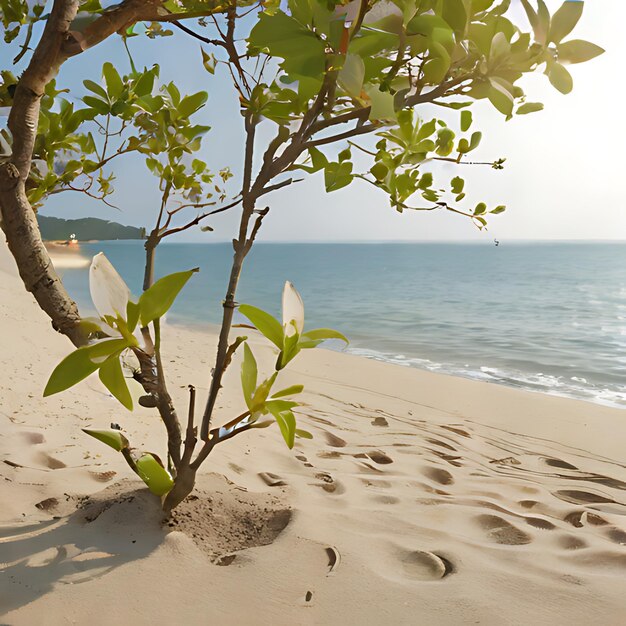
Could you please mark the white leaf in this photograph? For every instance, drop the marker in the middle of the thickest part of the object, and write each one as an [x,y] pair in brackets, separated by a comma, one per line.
[293,310]
[109,292]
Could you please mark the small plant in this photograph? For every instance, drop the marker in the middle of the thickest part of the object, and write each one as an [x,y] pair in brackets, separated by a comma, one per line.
[123,327]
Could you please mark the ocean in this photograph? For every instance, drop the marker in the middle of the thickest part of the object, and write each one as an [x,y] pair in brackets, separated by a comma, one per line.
[547,317]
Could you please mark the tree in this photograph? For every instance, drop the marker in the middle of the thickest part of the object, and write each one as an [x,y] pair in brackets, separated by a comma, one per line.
[327,76]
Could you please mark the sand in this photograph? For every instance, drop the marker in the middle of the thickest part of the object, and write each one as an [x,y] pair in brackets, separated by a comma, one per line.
[422,499]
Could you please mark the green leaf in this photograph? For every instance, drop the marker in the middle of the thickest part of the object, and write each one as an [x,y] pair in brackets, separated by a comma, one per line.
[113,438]
[303,434]
[145,84]
[260,395]
[565,19]
[289,351]
[79,364]
[475,140]
[560,78]
[381,103]
[152,472]
[426,181]
[321,334]
[351,75]
[288,391]
[95,88]
[286,422]
[481,208]
[114,83]
[455,14]
[112,378]
[501,97]
[436,69]
[445,141]
[578,51]
[190,104]
[457,184]
[281,35]
[499,209]
[208,60]
[249,373]
[466,120]
[97,105]
[529,107]
[132,315]
[337,175]
[156,301]
[379,171]
[265,323]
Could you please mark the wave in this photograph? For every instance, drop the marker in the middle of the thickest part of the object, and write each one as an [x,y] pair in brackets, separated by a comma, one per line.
[574,387]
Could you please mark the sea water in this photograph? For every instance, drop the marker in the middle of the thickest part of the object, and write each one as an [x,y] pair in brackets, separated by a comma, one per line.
[547,316]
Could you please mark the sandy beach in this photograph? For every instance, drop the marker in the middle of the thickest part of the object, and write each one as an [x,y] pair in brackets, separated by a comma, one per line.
[422,499]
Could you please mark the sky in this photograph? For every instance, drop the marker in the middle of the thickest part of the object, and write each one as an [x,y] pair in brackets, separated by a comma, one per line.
[562,177]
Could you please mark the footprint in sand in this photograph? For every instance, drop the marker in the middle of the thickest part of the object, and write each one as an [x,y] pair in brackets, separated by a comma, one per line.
[458,431]
[334,441]
[380,421]
[617,536]
[539,522]
[559,463]
[48,504]
[384,499]
[304,460]
[271,480]
[382,484]
[569,542]
[421,565]
[50,462]
[528,504]
[334,559]
[225,560]
[368,468]
[582,497]
[375,455]
[103,477]
[34,438]
[578,519]
[329,484]
[329,454]
[438,475]
[501,531]
[436,442]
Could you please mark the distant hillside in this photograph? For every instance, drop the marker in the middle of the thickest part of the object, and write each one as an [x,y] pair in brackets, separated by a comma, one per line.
[86,228]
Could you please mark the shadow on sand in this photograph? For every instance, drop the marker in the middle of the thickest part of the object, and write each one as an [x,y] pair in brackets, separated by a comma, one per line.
[99,537]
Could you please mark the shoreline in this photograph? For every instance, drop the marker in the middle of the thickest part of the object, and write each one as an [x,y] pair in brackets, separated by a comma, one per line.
[422,487]
[437,368]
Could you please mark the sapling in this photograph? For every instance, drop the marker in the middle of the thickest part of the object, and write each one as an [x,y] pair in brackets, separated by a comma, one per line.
[120,319]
